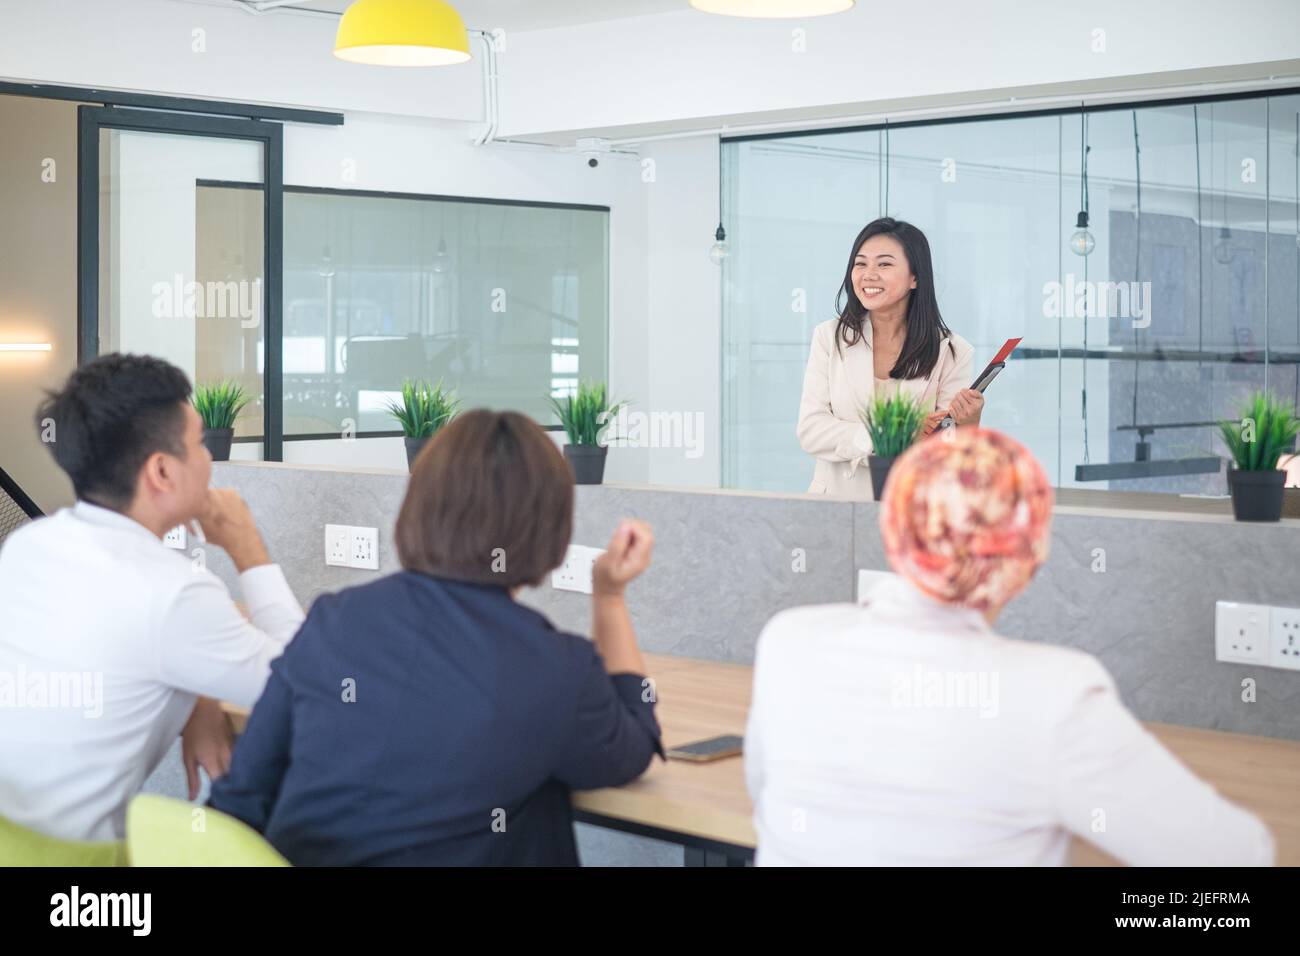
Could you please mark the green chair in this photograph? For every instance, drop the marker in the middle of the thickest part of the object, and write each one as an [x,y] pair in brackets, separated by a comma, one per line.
[161,831]
[20,846]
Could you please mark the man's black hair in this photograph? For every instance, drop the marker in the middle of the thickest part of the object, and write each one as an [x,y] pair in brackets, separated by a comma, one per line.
[111,415]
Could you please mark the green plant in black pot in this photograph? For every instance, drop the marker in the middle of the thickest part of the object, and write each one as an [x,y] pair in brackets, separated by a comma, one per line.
[584,416]
[1266,432]
[892,423]
[423,410]
[219,405]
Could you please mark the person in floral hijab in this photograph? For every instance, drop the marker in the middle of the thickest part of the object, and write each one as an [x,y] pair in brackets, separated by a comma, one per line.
[965,517]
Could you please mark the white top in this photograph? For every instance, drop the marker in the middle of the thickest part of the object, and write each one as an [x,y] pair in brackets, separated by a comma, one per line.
[906,732]
[106,638]
[838,382]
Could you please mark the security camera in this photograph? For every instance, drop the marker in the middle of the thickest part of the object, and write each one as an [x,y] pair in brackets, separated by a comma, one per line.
[593,147]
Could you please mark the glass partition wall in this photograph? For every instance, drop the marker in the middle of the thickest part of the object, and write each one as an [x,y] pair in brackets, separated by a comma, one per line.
[507,303]
[1187,301]
[180,273]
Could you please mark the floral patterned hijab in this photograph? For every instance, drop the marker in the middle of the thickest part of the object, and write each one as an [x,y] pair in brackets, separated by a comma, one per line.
[965,517]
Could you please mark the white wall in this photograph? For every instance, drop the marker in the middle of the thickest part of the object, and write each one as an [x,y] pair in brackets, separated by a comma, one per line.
[685,313]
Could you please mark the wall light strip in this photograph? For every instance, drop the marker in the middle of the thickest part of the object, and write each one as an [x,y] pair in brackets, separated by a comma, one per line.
[25,347]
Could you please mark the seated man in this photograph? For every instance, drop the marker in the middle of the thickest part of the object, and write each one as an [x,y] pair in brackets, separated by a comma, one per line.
[111,641]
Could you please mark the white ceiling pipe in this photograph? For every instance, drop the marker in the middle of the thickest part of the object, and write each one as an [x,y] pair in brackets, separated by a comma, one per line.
[491,105]
[250,7]
[262,6]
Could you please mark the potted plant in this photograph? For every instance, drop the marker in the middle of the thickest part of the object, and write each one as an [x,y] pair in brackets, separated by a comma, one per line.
[424,409]
[584,415]
[1266,432]
[219,405]
[892,424]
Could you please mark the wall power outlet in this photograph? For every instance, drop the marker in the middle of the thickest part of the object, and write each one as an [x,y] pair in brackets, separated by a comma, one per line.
[1284,638]
[1241,632]
[575,573]
[1257,634]
[364,549]
[350,547]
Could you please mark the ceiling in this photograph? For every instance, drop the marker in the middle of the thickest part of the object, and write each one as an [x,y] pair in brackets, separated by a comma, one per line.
[535,14]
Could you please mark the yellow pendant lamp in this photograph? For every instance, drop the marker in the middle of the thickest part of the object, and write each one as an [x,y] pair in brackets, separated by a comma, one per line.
[402,33]
[772,8]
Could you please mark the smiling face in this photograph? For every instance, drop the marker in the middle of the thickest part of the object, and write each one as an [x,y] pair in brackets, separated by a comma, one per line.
[882,277]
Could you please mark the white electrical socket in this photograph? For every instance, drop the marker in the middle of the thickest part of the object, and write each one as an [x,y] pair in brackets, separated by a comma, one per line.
[575,573]
[175,538]
[363,552]
[1241,632]
[338,544]
[349,547]
[1284,638]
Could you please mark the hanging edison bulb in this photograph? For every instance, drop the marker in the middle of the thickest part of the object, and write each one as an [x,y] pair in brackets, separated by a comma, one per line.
[1081,240]
[326,265]
[720,248]
[442,258]
[1223,246]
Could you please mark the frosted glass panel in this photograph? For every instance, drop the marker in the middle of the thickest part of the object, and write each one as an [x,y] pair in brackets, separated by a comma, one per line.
[180,262]
[508,304]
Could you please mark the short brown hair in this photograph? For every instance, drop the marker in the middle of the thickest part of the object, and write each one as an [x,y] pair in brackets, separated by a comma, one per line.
[490,500]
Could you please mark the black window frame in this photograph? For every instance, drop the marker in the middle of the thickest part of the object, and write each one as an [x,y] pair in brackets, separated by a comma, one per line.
[91,120]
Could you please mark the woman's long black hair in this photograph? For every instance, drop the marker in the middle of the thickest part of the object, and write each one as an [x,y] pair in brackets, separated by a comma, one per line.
[925,326]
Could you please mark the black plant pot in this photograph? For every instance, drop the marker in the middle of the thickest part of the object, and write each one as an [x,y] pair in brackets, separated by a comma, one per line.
[1256,495]
[217,442]
[587,462]
[880,465]
[413,448]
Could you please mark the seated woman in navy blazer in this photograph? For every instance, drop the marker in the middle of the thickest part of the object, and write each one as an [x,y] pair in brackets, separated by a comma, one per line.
[428,718]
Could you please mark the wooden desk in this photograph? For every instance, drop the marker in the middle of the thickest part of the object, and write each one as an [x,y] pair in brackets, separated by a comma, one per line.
[706,808]
[709,801]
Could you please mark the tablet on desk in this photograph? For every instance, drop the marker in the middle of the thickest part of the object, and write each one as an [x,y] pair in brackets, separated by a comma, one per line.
[713,748]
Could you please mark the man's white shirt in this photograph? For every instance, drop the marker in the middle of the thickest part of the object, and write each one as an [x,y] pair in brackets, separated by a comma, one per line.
[107,637]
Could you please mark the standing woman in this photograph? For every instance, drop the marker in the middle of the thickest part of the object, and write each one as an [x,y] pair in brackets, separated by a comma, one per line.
[889,337]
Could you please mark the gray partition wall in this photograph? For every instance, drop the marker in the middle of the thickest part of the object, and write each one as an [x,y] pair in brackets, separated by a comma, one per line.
[1135,587]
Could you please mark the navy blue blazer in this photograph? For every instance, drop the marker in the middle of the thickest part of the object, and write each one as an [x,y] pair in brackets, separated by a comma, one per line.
[424,721]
